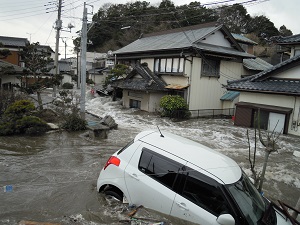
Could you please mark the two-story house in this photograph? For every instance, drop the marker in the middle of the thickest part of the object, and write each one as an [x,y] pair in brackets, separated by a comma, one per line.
[194,62]
[14,45]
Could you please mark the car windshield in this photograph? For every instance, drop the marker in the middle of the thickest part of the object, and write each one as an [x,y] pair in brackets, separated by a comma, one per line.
[248,199]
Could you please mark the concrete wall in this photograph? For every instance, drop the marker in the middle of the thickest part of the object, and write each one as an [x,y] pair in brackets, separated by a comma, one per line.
[277,100]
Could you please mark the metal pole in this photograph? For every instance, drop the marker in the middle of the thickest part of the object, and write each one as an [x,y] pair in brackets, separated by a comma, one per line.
[77,69]
[83,61]
[58,27]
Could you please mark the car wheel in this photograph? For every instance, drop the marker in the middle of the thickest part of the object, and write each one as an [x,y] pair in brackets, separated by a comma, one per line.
[114,194]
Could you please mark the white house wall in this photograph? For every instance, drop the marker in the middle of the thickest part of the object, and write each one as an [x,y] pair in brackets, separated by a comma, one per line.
[209,89]
[184,81]
[217,37]
[277,100]
[149,101]
[150,62]
[154,101]
[292,73]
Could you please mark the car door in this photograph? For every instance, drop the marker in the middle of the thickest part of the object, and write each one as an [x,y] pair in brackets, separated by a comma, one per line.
[200,200]
[150,176]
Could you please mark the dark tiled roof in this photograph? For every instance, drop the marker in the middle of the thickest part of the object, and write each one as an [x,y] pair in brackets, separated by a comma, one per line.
[178,39]
[13,41]
[149,80]
[288,40]
[271,85]
[264,82]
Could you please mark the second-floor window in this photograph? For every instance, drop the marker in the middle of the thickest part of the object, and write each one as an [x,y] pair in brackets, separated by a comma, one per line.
[210,68]
[169,65]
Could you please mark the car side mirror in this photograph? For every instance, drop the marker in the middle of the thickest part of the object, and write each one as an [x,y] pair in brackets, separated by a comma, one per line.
[226,219]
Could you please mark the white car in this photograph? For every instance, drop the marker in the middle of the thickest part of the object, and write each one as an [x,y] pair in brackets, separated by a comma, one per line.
[184,179]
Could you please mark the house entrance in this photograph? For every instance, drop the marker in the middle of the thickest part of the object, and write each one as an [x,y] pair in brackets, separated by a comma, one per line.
[272,118]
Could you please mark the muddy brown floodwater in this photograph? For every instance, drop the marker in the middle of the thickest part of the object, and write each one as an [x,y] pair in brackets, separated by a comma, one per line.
[53,177]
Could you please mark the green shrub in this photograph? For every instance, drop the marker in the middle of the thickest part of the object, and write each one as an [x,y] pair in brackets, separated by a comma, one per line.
[6,128]
[67,86]
[17,120]
[31,125]
[174,106]
[74,123]
[19,109]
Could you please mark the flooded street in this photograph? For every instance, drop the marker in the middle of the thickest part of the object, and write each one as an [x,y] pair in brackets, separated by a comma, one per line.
[53,177]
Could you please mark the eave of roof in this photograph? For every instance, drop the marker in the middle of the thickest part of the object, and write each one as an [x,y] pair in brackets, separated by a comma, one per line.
[15,69]
[274,86]
[230,96]
[222,50]
[243,39]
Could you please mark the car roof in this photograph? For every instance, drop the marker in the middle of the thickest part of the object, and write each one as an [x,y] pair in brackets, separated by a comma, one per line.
[217,165]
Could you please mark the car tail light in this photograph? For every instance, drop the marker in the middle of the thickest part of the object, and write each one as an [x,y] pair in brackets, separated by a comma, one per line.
[113,160]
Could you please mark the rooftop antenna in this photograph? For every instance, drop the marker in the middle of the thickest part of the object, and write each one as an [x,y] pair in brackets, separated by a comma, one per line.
[160,132]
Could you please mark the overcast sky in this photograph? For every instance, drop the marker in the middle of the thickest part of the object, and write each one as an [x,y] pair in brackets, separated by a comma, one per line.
[28,19]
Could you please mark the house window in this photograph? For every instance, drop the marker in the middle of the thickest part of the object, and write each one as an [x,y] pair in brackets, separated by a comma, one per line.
[135,104]
[169,65]
[210,67]
[297,52]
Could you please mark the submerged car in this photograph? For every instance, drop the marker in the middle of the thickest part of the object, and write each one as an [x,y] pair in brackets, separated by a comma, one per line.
[184,179]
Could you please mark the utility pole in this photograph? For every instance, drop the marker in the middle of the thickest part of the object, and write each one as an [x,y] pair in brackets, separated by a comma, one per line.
[58,28]
[83,61]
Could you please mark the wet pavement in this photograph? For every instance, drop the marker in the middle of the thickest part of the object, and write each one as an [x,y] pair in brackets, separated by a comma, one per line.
[53,177]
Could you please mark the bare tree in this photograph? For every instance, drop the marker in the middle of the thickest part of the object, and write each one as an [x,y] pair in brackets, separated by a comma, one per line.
[270,144]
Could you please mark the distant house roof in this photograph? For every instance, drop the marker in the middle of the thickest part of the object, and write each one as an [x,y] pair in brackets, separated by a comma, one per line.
[241,38]
[9,68]
[257,64]
[13,41]
[265,83]
[294,39]
[184,38]
[149,80]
